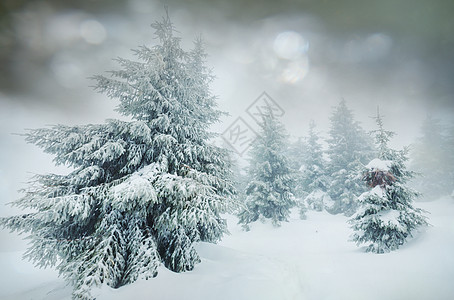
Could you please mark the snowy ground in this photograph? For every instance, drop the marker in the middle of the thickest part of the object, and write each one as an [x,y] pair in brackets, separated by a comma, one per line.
[304,259]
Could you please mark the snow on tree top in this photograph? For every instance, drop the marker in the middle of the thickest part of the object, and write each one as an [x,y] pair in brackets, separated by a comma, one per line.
[378,173]
[378,164]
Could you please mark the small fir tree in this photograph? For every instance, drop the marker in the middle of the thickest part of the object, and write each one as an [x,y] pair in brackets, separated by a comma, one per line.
[295,154]
[430,158]
[349,148]
[269,193]
[241,181]
[386,217]
[314,181]
[143,191]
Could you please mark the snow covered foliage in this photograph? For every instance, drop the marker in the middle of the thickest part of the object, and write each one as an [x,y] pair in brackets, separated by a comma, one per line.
[269,193]
[386,216]
[315,180]
[348,148]
[295,155]
[318,200]
[241,181]
[142,191]
[431,157]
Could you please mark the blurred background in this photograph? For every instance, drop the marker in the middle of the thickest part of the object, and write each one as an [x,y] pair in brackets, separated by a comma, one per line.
[306,54]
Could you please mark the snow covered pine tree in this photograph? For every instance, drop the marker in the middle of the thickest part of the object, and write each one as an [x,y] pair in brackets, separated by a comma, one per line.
[142,191]
[315,181]
[348,148]
[295,155]
[386,216]
[269,194]
[430,157]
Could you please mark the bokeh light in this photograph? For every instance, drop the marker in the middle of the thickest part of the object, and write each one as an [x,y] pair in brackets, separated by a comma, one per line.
[290,45]
[295,70]
[93,32]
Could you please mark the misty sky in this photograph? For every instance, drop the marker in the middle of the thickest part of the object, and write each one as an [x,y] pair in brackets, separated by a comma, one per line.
[307,55]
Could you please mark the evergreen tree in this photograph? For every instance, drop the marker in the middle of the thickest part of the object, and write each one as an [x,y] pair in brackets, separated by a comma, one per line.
[314,181]
[386,217]
[431,159]
[143,191]
[241,180]
[269,193]
[295,155]
[348,149]
[296,152]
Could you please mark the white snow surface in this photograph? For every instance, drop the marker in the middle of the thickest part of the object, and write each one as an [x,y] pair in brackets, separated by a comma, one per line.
[302,260]
[378,164]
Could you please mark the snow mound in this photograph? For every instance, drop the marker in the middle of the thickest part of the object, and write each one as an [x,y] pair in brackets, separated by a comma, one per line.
[224,274]
[303,259]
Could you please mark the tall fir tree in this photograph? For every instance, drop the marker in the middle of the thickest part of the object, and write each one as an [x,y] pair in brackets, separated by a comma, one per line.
[296,152]
[295,155]
[349,148]
[386,217]
[143,191]
[314,179]
[269,194]
[430,158]
[241,181]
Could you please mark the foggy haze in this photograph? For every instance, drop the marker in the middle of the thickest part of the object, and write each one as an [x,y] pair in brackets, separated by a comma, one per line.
[306,55]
